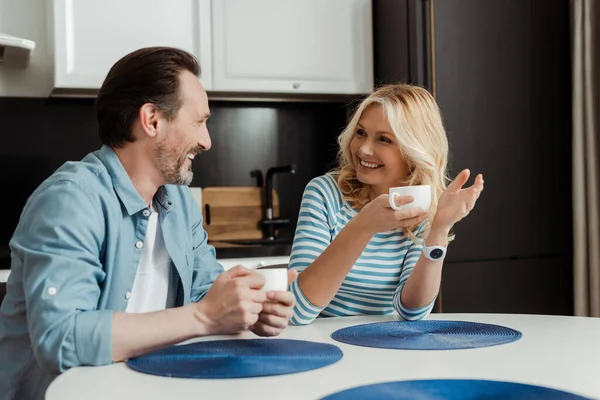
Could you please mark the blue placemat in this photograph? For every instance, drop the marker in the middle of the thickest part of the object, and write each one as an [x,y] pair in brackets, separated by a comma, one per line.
[238,358]
[426,335]
[452,389]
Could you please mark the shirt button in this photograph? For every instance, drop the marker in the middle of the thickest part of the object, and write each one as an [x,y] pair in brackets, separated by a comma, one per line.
[146,213]
[139,245]
[52,291]
[127,295]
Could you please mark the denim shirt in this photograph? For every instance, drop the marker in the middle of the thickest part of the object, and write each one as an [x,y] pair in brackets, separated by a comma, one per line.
[75,254]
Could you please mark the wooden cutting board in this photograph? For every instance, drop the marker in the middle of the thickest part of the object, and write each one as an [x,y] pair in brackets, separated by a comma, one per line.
[234,212]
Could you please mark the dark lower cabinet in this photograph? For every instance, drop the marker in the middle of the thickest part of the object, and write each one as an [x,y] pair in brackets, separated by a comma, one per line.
[2,291]
[534,286]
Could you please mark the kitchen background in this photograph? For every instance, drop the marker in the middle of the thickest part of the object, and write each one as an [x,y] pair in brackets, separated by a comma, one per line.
[500,70]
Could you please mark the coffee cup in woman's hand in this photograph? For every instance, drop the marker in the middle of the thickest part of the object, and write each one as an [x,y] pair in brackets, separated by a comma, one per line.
[421,195]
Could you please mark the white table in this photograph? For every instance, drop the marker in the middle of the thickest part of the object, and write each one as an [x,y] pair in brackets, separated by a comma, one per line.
[557,352]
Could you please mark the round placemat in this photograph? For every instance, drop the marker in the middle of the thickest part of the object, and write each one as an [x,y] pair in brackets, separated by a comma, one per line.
[239,358]
[426,335]
[452,389]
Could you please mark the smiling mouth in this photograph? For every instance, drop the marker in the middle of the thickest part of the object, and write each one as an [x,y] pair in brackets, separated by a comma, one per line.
[369,165]
[194,151]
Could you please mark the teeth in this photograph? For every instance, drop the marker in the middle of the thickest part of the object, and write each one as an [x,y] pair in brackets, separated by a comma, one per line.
[191,156]
[369,165]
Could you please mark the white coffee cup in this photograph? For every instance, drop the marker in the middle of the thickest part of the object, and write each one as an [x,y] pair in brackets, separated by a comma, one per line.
[421,196]
[276,277]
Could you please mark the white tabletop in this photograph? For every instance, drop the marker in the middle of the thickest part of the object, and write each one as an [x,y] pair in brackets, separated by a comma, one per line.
[557,352]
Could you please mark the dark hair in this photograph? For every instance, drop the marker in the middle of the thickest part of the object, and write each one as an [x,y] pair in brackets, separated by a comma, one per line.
[147,75]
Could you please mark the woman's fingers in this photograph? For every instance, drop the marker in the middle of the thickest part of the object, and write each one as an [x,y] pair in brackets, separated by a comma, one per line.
[400,200]
[472,194]
[409,217]
[408,213]
[412,221]
[459,181]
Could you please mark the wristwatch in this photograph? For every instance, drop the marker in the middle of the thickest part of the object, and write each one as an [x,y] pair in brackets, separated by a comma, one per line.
[434,253]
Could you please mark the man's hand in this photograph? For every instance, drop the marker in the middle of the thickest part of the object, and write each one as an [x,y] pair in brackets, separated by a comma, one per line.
[276,311]
[233,303]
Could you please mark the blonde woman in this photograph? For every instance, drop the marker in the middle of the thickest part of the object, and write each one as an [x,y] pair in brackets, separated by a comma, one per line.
[354,253]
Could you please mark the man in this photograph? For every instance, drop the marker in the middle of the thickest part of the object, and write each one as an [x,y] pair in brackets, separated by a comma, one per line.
[109,259]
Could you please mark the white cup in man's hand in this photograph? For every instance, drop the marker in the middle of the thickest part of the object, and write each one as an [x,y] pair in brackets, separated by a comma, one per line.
[276,277]
[421,195]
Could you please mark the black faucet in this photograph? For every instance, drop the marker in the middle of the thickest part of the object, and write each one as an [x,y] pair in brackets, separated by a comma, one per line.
[268,221]
[257,173]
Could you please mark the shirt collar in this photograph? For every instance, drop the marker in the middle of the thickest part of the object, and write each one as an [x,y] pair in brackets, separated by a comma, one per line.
[129,196]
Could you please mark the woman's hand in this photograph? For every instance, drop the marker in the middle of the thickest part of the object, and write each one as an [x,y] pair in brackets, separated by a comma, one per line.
[378,216]
[456,203]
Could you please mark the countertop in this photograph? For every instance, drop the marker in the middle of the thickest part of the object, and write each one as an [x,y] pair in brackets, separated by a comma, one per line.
[275,250]
[223,253]
[248,262]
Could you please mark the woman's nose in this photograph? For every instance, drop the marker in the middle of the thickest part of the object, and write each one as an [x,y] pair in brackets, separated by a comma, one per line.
[365,149]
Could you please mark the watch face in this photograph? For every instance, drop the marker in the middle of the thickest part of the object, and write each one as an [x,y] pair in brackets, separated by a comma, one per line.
[436,253]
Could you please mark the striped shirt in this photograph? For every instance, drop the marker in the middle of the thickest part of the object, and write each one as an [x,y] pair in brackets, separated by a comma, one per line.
[374,284]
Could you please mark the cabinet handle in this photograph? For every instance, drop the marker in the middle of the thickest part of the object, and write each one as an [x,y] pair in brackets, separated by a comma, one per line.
[296,85]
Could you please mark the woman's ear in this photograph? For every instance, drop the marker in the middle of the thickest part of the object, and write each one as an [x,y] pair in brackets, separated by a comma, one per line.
[148,115]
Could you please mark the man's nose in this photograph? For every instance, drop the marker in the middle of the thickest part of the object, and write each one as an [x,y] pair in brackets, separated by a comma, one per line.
[205,141]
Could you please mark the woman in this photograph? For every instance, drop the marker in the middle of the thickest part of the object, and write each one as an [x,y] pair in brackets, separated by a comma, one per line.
[355,254]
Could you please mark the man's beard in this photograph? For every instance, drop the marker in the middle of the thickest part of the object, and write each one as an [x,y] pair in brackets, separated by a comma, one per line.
[174,165]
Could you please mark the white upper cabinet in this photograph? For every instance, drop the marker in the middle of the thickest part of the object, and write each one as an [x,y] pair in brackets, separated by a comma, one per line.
[292,46]
[91,35]
[244,46]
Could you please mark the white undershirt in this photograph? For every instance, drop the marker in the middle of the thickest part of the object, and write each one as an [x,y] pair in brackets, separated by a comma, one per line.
[152,281]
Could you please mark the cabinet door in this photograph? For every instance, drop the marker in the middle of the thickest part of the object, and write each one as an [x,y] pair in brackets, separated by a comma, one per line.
[90,35]
[279,46]
[503,85]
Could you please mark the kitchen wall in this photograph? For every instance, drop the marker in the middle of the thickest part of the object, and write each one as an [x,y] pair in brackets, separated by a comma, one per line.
[41,133]
[503,83]
[38,135]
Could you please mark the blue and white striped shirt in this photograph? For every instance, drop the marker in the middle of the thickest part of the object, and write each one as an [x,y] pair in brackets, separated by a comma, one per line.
[374,284]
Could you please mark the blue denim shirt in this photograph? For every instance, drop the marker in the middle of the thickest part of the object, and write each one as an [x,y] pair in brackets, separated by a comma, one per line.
[74,259]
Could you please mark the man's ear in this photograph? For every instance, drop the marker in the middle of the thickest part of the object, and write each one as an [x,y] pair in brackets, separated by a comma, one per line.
[148,115]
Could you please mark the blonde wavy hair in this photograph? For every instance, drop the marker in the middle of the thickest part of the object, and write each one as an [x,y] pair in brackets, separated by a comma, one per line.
[416,121]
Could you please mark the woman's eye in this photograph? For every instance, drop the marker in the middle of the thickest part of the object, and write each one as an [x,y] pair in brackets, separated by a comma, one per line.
[360,132]
[385,140]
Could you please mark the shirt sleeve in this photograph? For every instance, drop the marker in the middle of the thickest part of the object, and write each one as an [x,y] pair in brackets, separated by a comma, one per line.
[56,248]
[410,260]
[312,237]
[205,267]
